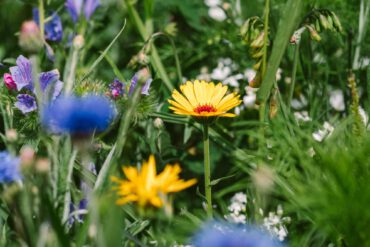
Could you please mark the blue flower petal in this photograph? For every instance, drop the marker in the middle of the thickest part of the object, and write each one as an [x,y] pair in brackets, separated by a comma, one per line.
[22,73]
[9,168]
[74,8]
[26,103]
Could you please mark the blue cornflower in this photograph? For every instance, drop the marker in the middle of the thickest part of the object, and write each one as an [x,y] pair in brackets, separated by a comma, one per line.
[22,75]
[75,7]
[53,25]
[217,234]
[78,116]
[9,168]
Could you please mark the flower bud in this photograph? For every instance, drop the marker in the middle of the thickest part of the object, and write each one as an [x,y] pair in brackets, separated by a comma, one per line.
[324,22]
[42,165]
[11,135]
[27,155]
[158,123]
[263,179]
[78,42]
[314,34]
[30,38]
[9,82]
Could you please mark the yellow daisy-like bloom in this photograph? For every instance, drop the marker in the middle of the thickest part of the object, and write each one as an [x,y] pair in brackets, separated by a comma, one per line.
[145,187]
[203,99]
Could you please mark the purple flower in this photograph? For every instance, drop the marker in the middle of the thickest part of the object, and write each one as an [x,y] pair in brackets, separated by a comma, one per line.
[9,168]
[90,7]
[144,90]
[117,88]
[74,7]
[22,73]
[49,81]
[77,211]
[78,116]
[217,234]
[146,87]
[53,27]
[26,103]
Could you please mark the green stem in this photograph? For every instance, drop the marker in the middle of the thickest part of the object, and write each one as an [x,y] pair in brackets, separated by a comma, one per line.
[294,73]
[67,196]
[265,38]
[35,76]
[207,171]
[41,18]
[72,70]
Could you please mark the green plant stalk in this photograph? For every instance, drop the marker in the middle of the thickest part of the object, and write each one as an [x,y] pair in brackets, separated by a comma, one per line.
[71,75]
[207,171]
[291,14]
[67,195]
[294,74]
[35,76]
[262,108]
[156,60]
[42,18]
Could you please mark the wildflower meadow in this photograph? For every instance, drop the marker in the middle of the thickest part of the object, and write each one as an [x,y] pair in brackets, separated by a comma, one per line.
[193,123]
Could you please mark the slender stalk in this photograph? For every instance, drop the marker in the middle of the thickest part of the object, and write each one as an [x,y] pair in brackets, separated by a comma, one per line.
[207,171]
[42,18]
[294,73]
[262,108]
[67,196]
[35,76]
[72,70]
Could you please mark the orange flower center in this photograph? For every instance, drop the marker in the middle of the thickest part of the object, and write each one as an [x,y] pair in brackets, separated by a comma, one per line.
[205,108]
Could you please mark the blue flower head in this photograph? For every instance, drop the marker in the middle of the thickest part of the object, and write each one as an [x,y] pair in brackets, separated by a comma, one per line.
[53,26]
[217,234]
[75,7]
[78,116]
[145,88]
[9,168]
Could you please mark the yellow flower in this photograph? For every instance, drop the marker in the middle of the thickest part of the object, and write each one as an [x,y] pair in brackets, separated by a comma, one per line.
[145,187]
[203,99]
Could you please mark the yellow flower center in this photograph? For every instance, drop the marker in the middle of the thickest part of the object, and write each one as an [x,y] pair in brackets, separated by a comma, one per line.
[205,108]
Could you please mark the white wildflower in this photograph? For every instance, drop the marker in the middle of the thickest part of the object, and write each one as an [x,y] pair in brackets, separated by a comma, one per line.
[299,103]
[217,13]
[237,209]
[302,116]
[321,134]
[278,74]
[337,100]
[212,3]
[250,74]
[364,116]
[275,224]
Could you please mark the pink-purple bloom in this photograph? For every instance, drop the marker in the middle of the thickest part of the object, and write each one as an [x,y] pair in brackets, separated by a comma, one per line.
[53,27]
[117,88]
[9,82]
[75,7]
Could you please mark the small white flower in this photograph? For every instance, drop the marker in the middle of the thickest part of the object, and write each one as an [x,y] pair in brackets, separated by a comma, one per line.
[364,116]
[212,3]
[278,74]
[321,134]
[275,224]
[299,103]
[302,116]
[233,80]
[337,100]
[221,73]
[217,13]
[250,74]
[319,58]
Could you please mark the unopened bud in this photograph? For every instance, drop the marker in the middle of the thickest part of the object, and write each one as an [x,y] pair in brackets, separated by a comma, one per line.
[30,38]
[314,34]
[263,179]
[158,123]
[11,135]
[324,22]
[9,82]
[171,29]
[78,41]
[258,42]
[42,165]
[27,155]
